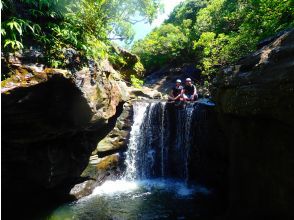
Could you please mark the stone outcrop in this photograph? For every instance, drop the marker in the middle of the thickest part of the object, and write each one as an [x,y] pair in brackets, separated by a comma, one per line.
[255,101]
[52,120]
[99,169]
[118,137]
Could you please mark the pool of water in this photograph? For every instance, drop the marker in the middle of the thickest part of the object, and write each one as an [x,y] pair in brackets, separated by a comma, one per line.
[149,199]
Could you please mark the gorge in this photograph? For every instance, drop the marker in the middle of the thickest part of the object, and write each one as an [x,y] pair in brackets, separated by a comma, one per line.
[88,131]
[219,159]
[158,182]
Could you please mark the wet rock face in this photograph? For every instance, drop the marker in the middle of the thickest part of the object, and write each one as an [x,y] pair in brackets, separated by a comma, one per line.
[51,123]
[117,139]
[43,111]
[103,90]
[255,101]
[260,84]
[99,170]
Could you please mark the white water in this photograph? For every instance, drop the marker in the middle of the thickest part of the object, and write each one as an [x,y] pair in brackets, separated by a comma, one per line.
[154,185]
[179,188]
[162,143]
[139,110]
[188,122]
[115,187]
[136,176]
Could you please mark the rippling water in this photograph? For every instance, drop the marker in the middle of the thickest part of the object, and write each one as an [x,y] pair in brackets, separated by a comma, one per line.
[149,199]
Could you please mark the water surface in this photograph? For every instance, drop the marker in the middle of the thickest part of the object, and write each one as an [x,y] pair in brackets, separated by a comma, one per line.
[145,199]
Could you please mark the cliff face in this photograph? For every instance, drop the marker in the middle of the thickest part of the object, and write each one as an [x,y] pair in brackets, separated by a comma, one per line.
[62,130]
[51,122]
[255,101]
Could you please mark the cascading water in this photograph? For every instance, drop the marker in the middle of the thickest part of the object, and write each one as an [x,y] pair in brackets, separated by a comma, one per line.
[160,141]
[139,113]
[155,184]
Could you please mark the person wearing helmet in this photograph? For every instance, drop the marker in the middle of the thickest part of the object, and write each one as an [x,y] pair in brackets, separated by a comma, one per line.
[189,91]
[176,92]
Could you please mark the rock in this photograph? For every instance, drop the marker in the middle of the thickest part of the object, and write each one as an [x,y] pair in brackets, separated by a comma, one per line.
[118,137]
[29,55]
[52,122]
[255,101]
[108,162]
[98,171]
[105,94]
[261,84]
[82,189]
[269,40]
[131,64]
[144,93]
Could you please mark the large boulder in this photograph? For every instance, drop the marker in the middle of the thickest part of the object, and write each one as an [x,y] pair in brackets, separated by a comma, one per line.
[99,169]
[255,101]
[52,120]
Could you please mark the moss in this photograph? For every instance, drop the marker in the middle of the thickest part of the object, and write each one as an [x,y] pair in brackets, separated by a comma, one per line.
[3,83]
[89,171]
[108,162]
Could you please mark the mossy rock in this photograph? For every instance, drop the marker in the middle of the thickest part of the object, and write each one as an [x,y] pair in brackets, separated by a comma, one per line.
[108,162]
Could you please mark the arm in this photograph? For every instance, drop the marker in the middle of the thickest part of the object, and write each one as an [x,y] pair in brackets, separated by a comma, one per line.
[183,91]
[181,94]
[195,91]
[195,95]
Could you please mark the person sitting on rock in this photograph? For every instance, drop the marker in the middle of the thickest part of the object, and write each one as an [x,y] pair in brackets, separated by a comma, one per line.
[189,91]
[176,93]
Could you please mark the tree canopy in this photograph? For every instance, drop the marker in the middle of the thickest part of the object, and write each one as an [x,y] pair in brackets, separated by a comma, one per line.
[86,25]
[214,32]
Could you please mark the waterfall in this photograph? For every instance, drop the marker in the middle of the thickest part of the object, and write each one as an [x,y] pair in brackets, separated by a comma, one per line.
[160,141]
[139,110]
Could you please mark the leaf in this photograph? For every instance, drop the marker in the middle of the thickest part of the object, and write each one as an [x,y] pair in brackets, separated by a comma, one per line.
[7,42]
[14,25]
[3,32]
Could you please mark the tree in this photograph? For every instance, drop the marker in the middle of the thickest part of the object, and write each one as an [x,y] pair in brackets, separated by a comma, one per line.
[86,25]
[216,32]
[162,45]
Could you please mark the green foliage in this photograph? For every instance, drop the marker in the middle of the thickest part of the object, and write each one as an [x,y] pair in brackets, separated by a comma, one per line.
[139,68]
[215,32]
[163,45]
[172,41]
[12,31]
[186,10]
[208,48]
[128,63]
[85,25]
[137,83]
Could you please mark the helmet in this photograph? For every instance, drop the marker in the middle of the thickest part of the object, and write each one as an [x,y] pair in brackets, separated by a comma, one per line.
[188,80]
[178,81]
